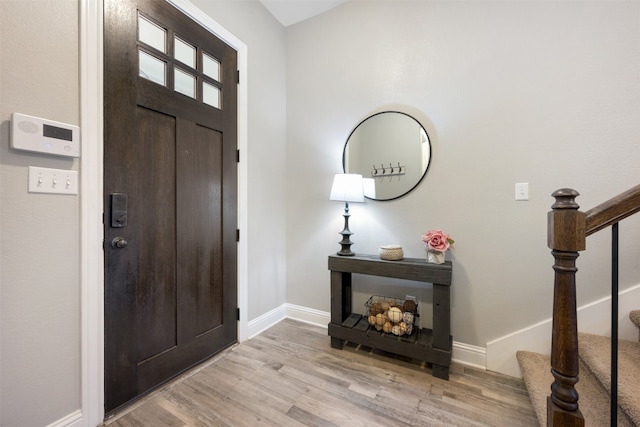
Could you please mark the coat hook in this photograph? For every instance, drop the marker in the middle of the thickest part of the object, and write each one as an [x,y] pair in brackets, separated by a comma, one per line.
[383,169]
[375,170]
[399,168]
[391,166]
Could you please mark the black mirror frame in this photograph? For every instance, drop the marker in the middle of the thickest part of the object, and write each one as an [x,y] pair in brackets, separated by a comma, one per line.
[344,152]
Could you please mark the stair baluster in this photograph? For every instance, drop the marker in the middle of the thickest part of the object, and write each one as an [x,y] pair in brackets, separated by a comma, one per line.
[613,402]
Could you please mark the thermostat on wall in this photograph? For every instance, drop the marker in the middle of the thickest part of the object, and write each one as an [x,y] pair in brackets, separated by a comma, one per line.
[44,136]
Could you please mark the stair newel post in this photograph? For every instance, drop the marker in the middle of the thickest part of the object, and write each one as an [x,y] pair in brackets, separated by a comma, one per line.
[566,235]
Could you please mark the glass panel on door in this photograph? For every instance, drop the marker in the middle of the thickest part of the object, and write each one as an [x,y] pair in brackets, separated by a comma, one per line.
[152,68]
[152,34]
[185,83]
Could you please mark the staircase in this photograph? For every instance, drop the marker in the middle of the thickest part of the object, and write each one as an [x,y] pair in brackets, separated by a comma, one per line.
[586,380]
[595,372]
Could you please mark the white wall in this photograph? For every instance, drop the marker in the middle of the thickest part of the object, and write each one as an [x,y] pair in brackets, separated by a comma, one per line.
[39,234]
[541,92]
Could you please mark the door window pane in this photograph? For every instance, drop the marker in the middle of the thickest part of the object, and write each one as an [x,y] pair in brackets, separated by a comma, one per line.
[152,68]
[211,95]
[185,53]
[210,67]
[185,83]
[152,34]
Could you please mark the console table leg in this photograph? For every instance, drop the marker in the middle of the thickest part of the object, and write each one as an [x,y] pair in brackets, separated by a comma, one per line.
[440,372]
[340,302]
[441,317]
[341,296]
[337,343]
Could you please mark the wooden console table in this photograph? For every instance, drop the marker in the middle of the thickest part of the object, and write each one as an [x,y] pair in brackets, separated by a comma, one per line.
[429,345]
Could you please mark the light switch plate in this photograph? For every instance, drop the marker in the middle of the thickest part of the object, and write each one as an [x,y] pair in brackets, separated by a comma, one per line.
[52,181]
[522,191]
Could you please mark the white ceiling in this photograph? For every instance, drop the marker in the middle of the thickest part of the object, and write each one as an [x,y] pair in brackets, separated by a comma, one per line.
[289,12]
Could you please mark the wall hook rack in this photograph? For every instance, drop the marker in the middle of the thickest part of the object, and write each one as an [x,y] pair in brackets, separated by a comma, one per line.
[390,170]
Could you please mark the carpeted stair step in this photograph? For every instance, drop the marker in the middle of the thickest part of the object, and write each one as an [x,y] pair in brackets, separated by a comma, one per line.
[593,398]
[595,351]
[635,318]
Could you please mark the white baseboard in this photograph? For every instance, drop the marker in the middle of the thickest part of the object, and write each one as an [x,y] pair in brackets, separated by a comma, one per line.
[462,353]
[265,321]
[593,318]
[469,355]
[501,353]
[308,315]
[74,419]
[290,311]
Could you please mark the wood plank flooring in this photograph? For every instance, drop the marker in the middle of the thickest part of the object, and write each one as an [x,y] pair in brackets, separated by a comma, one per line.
[290,376]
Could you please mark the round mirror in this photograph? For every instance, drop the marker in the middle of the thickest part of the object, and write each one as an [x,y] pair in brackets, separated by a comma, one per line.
[392,149]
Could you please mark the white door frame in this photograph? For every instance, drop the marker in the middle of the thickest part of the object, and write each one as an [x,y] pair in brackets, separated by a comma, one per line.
[91,196]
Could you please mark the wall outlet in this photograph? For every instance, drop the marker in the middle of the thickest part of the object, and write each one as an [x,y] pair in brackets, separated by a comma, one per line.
[53,181]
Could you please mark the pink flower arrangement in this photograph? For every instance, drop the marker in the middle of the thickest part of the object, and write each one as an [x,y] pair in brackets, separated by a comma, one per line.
[436,240]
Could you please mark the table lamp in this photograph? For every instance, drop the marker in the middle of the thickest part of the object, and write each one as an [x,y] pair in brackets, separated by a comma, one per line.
[347,188]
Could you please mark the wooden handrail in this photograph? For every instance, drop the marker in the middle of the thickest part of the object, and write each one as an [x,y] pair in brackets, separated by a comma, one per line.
[613,210]
[567,230]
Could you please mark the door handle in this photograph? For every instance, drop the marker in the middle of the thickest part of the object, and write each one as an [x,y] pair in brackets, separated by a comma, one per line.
[119,243]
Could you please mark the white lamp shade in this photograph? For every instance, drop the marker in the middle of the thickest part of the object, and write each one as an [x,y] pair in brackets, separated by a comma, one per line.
[347,187]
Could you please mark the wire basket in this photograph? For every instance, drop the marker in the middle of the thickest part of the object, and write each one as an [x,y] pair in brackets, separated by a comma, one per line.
[392,315]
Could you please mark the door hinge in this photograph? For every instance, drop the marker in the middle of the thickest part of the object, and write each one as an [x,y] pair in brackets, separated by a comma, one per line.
[237,156]
[237,235]
[238,313]
[238,76]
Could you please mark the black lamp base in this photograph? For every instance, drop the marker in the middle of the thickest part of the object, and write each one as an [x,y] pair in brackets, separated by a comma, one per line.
[346,243]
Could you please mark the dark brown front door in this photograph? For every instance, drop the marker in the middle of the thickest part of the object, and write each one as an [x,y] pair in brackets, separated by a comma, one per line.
[170,208]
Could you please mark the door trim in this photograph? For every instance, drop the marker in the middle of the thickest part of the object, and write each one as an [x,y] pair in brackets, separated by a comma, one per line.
[91,196]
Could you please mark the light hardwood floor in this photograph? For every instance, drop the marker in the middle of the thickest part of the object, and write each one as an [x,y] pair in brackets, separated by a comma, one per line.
[290,376]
